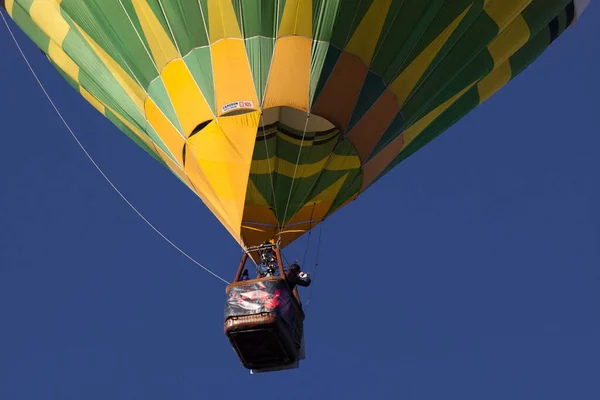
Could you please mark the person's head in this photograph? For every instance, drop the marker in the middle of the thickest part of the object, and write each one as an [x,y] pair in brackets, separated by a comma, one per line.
[294,269]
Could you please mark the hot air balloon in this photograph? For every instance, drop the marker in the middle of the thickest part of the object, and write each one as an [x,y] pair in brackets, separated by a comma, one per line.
[277,113]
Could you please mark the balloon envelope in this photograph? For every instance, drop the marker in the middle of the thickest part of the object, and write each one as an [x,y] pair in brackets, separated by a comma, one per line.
[277,113]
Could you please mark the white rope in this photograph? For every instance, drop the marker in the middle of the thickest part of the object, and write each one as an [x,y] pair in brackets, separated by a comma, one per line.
[295,171]
[271,171]
[96,165]
[139,37]
[314,277]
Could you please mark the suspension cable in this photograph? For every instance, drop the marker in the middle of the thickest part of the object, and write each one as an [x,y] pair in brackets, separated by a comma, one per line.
[295,172]
[309,235]
[316,265]
[94,162]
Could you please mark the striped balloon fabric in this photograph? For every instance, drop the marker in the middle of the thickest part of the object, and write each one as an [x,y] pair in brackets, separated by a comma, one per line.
[277,113]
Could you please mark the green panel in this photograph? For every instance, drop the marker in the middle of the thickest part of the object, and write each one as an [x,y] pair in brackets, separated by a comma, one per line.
[410,26]
[464,105]
[95,77]
[372,89]
[107,23]
[444,16]
[23,20]
[412,23]
[318,147]
[397,126]
[351,188]
[258,18]
[200,65]
[349,15]
[24,4]
[546,20]
[540,12]
[460,63]
[529,52]
[325,18]
[399,28]
[260,54]
[331,58]
[317,66]
[157,9]
[158,93]
[187,24]
[464,51]
[307,188]
[562,21]
[204,10]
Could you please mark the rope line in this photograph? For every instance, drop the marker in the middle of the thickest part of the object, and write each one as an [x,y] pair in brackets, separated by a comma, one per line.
[309,235]
[314,277]
[295,171]
[271,172]
[94,162]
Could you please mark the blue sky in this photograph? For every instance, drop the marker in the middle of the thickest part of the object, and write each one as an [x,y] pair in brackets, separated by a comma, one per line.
[472,271]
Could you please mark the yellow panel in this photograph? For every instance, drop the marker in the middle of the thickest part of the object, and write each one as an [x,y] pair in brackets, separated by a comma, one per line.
[366,36]
[350,200]
[309,212]
[341,163]
[404,84]
[9,6]
[206,192]
[509,40]
[317,208]
[494,81]
[287,168]
[160,43]
[254,197]
[503,12]
[307,142]
[92,100]
[289,79]
[259,214]
[222,22]
[135,92]
[296,19]
[330,193]
[234,86]
[255,235]
[377,164]
[165,129]
[48,18]
[292,233]
[194,179]
[187,99]
[415,130]
[60,58]
[223,151]
[256,208]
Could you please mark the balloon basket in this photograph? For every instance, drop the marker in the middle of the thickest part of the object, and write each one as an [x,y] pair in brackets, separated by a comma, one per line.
[264,324]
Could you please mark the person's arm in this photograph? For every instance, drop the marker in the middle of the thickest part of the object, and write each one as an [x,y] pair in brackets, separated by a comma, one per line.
[303,279]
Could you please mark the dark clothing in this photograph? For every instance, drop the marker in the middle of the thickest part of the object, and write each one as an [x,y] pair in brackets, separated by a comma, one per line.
[245,276]
[292,277]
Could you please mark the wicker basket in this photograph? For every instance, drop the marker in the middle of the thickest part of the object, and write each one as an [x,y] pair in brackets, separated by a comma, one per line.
[265,339]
